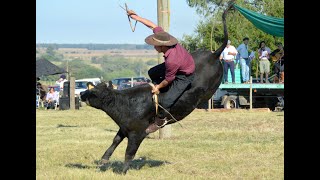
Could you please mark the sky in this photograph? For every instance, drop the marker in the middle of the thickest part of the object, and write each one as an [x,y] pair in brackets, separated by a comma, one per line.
[103,21]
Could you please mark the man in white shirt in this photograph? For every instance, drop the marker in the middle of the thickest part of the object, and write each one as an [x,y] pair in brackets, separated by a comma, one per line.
[243,56]
[61,80]
[227,56]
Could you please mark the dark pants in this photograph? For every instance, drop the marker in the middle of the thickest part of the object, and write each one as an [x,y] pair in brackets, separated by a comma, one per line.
[227,65]
[170,94]
[157,73]
[278,68]
[50,105]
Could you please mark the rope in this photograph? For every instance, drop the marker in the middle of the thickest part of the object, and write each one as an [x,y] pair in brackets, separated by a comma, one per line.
[155,99]
[169,114]
[126,9]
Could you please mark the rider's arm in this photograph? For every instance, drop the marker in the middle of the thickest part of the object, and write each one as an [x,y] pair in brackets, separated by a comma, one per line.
[144,21]
[163,84]
[156,88]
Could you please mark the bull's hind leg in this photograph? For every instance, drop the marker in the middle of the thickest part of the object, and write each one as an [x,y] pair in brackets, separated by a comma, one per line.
[116,141]
[134,141]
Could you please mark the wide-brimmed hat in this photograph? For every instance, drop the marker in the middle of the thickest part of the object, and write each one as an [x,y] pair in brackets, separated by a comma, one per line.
[161,39]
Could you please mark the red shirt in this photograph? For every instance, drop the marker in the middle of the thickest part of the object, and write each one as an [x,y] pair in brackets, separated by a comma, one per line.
[177,60]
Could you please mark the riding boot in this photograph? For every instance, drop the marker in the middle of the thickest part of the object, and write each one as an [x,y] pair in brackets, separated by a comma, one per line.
[159,123]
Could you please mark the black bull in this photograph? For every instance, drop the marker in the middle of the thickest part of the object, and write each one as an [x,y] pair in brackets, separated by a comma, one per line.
[133,109]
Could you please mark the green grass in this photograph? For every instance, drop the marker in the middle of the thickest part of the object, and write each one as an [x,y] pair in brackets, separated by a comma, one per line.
[210,145]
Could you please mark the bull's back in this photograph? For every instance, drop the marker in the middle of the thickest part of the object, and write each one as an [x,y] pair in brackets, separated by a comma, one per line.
[208,76]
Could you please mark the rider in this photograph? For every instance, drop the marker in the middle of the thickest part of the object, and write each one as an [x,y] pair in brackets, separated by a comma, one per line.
[173,76]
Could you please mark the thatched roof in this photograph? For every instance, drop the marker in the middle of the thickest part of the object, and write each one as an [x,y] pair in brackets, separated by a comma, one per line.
[45,67]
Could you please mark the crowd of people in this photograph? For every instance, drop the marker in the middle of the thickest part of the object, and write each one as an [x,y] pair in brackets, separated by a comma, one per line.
[232,57]
[50,98]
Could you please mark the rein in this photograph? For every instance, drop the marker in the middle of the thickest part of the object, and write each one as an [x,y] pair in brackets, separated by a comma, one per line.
[156,102]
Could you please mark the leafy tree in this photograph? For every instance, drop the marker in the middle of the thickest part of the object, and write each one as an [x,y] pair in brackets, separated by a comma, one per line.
[120,73]
[140,68]
[51,54]
[79,69]
[50,51]
[151,62]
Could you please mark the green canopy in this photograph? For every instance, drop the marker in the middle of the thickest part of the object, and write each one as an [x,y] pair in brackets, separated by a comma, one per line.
[268,24]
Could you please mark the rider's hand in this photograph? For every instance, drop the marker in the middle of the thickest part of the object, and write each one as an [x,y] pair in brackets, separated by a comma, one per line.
[130,13]
[155,89]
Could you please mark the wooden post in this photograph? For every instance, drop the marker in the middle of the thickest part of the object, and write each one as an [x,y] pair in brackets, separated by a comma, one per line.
[250,92]
[68,76]
[163,21]
[72,98]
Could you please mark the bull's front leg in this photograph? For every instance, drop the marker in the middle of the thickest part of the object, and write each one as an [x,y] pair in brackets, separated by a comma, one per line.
[134,141]
[116,141]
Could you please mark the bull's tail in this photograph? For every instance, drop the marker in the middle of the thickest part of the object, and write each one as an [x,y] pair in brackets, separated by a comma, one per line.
[225,30]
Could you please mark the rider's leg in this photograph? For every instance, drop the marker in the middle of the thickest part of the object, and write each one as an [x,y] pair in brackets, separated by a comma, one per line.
[166,100]
[157,73]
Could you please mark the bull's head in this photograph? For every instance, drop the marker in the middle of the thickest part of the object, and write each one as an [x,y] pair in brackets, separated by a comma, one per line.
[97,96]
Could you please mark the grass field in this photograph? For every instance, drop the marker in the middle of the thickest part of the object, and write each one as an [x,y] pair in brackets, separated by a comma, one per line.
[210,145]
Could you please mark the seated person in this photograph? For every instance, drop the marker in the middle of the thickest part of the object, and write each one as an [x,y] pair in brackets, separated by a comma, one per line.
[52,98]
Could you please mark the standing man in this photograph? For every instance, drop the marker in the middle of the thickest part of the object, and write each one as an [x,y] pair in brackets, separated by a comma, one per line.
[61,80]
[174,76]
[243,56]
[228,55]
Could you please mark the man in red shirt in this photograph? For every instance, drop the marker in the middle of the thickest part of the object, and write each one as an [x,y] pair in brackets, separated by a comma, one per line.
[172,77]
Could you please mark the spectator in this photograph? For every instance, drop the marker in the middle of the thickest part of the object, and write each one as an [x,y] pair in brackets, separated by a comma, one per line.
[40,90]
[227,56]
[243,56]
[61,80]
[264,63]
[278,58]
[52,98]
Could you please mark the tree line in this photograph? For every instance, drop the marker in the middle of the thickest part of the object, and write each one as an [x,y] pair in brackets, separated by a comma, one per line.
[91,46]
[105,67]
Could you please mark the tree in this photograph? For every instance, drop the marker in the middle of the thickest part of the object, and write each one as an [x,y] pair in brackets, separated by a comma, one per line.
[51,54]
[210,30]
[50,51]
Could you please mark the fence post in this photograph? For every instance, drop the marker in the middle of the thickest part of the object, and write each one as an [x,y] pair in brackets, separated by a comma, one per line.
[72,89]
[163,21]
[250,92]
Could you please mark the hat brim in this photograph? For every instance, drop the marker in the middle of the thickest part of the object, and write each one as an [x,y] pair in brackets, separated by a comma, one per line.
[149,40]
